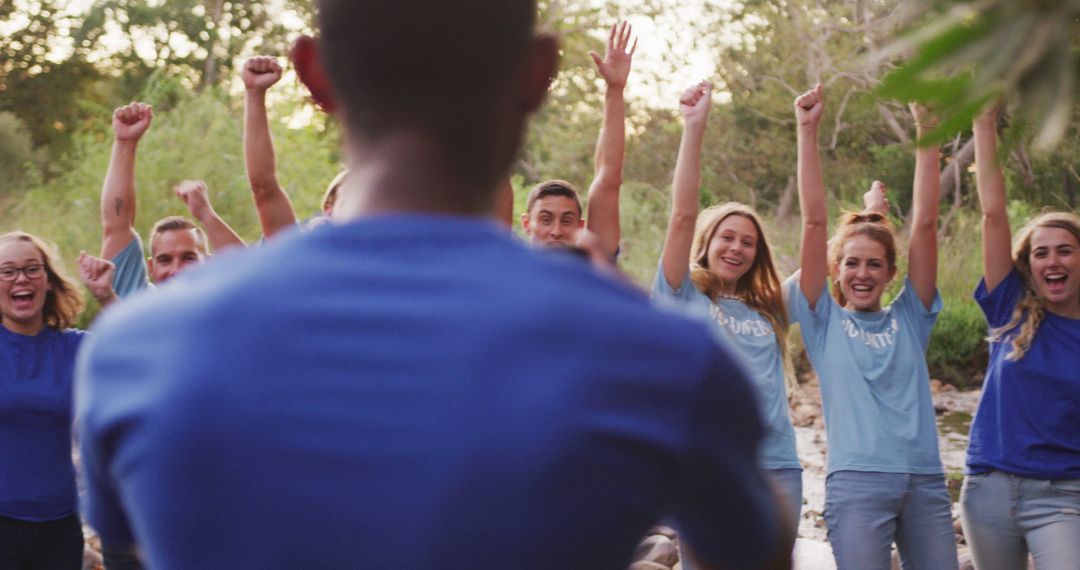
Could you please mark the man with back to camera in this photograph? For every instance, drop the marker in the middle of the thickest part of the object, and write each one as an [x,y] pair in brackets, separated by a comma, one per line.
[382,393]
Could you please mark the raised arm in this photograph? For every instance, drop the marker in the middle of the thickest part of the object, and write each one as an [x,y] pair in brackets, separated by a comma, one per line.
[196,196]
[997,237]
[603,214]
[814,258]
[129,123]
[922,248]
[97,274]
[271,202]
[686,185]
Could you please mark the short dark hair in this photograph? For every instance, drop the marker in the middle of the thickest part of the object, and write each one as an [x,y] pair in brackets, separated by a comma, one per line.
[437,65]
[174,223]
[553,188]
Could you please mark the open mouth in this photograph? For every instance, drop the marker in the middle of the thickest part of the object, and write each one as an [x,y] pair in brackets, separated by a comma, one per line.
[1055,282]
[22,299]
[732,261]
[862,288]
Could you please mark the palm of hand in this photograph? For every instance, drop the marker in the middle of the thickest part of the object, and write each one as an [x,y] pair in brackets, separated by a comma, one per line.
[615,68]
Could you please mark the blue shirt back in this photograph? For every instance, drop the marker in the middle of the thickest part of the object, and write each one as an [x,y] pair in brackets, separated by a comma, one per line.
[875,386]
[755,340]
[406,392]
[1028,421]
[37,478]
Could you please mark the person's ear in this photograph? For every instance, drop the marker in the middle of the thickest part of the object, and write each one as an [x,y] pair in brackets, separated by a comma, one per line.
[581,222]
[306,59]
[540,68]
[525,222]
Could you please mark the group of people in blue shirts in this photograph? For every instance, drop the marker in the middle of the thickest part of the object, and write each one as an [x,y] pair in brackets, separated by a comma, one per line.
[409,384]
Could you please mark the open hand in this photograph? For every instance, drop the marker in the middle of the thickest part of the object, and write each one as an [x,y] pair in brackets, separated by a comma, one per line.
[810,106]
[261,72]
[131,121]
[615,66]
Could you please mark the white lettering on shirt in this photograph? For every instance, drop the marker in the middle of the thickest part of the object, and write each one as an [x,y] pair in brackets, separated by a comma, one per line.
[744,327]
[873,340]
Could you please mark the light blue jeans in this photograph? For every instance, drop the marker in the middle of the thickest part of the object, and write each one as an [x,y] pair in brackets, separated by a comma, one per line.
[867,511]
[788,484]
[1006,516]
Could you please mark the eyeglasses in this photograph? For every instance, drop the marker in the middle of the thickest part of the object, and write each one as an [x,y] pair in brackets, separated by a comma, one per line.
[30,271]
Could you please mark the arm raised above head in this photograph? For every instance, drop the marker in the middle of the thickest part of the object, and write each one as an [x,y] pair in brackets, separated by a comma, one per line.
[922,248]
[694,105]
[614,67]
[990,181]
[271,202]
[129,123]
[196,195]
[814,256]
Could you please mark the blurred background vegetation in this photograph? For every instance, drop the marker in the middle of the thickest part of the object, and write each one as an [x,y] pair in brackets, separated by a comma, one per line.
[65,65]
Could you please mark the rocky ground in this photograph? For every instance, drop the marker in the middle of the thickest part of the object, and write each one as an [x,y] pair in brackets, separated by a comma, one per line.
[812,552]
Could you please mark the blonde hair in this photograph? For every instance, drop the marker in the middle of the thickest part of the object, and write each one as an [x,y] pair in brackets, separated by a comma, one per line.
[64,301]
[759,287]
[874,226]
[1030,310]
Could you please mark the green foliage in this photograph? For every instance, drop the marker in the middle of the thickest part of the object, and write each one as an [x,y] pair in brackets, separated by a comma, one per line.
[200,138]
[974,53]
[19,162]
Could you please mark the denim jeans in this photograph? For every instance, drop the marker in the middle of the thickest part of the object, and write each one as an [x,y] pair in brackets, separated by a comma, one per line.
[867,511]
[788,484]
[1006,516]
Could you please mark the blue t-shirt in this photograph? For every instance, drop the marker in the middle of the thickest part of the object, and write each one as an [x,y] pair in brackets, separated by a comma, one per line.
[1028,421]
[130,276]
[37,478]
[755,339]
[875,386]
[408,391]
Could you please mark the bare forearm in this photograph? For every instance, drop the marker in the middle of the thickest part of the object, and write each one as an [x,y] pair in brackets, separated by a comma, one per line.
[118,190]
[611,145]
[990,182]
[258,144]
[219,233]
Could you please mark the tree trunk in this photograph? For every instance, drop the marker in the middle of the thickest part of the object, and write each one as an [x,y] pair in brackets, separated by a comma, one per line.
[210,66]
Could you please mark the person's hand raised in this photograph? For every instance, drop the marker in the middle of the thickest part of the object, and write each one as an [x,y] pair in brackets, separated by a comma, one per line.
[261,72]
[614,67]
[131,121]
[810,106]
[696,102]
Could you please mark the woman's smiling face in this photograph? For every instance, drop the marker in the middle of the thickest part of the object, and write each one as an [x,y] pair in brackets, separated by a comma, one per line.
[22,300]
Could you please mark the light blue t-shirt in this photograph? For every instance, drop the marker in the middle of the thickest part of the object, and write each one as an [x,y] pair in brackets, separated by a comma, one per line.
[130,276]
[875,386]
[753,335]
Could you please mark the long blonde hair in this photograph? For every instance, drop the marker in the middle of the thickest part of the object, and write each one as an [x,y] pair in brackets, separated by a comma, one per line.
[759,287]
[64,301]
[1031,309]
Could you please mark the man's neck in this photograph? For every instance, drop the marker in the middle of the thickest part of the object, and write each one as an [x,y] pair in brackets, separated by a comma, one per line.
[407,172]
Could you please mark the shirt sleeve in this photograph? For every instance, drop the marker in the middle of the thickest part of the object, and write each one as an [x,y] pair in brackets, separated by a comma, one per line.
[911,309]
[661,289]
[130,274]
[727,512]
[811,321]
[998,305]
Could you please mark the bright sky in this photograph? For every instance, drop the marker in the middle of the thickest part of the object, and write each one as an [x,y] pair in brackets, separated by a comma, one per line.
[657,85]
